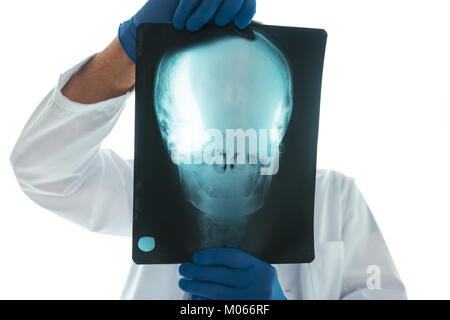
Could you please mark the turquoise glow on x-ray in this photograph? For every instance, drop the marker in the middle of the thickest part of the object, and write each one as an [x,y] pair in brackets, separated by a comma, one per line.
[249,88]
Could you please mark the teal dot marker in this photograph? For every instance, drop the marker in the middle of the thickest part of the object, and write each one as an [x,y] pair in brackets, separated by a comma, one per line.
[146,244]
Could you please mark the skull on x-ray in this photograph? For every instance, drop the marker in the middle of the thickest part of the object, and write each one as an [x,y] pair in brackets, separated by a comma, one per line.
[227,84]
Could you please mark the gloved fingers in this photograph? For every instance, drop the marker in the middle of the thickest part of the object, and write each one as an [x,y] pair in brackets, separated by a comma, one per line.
[183,12]
[204,13]
[204,289]
[227,257]
[245,16]
[157,11]
[194,297]
[221,275]
[228,10]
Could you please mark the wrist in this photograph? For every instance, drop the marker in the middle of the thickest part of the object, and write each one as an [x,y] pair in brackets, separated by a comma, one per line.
[116,68]
[108,75]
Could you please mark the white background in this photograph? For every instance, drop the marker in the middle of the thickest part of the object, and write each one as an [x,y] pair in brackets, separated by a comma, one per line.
[385,120]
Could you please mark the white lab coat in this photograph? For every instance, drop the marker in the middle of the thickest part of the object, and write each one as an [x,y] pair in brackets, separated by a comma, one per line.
[59,164]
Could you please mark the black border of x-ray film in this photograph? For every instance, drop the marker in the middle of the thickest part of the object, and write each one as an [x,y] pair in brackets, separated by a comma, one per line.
[280,232]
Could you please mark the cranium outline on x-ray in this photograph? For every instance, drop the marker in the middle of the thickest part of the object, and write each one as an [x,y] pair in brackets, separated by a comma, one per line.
[229,83]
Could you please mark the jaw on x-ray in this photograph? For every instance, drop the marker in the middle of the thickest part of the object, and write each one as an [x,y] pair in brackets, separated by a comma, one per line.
[225,141]
[223,108]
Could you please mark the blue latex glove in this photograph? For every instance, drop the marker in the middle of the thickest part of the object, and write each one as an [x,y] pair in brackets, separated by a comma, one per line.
[190,14]
[229,274]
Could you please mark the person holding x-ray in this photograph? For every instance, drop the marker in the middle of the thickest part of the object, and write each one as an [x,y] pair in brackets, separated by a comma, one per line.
[60,165]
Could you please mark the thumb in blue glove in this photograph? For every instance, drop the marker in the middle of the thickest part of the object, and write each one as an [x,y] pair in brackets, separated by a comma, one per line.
[229,274]
[192,14]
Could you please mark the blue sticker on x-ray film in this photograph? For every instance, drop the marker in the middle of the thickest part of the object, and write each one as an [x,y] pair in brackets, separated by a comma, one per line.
[146,244]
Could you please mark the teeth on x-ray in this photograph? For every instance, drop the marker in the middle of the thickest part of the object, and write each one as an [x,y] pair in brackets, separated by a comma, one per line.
[194,94]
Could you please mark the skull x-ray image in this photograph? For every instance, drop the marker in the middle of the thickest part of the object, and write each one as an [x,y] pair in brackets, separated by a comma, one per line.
[226,141]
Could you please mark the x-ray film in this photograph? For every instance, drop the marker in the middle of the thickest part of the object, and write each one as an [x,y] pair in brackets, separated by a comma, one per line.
[226,141]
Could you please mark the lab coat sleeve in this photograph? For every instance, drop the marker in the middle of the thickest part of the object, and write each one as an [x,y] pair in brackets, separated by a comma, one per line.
[370,272]
[59,164]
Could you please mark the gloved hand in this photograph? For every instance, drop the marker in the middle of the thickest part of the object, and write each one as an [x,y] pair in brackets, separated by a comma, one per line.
[192,14]
[229,274]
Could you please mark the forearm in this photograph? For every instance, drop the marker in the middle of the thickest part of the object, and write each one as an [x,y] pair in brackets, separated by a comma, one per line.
[108,75]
